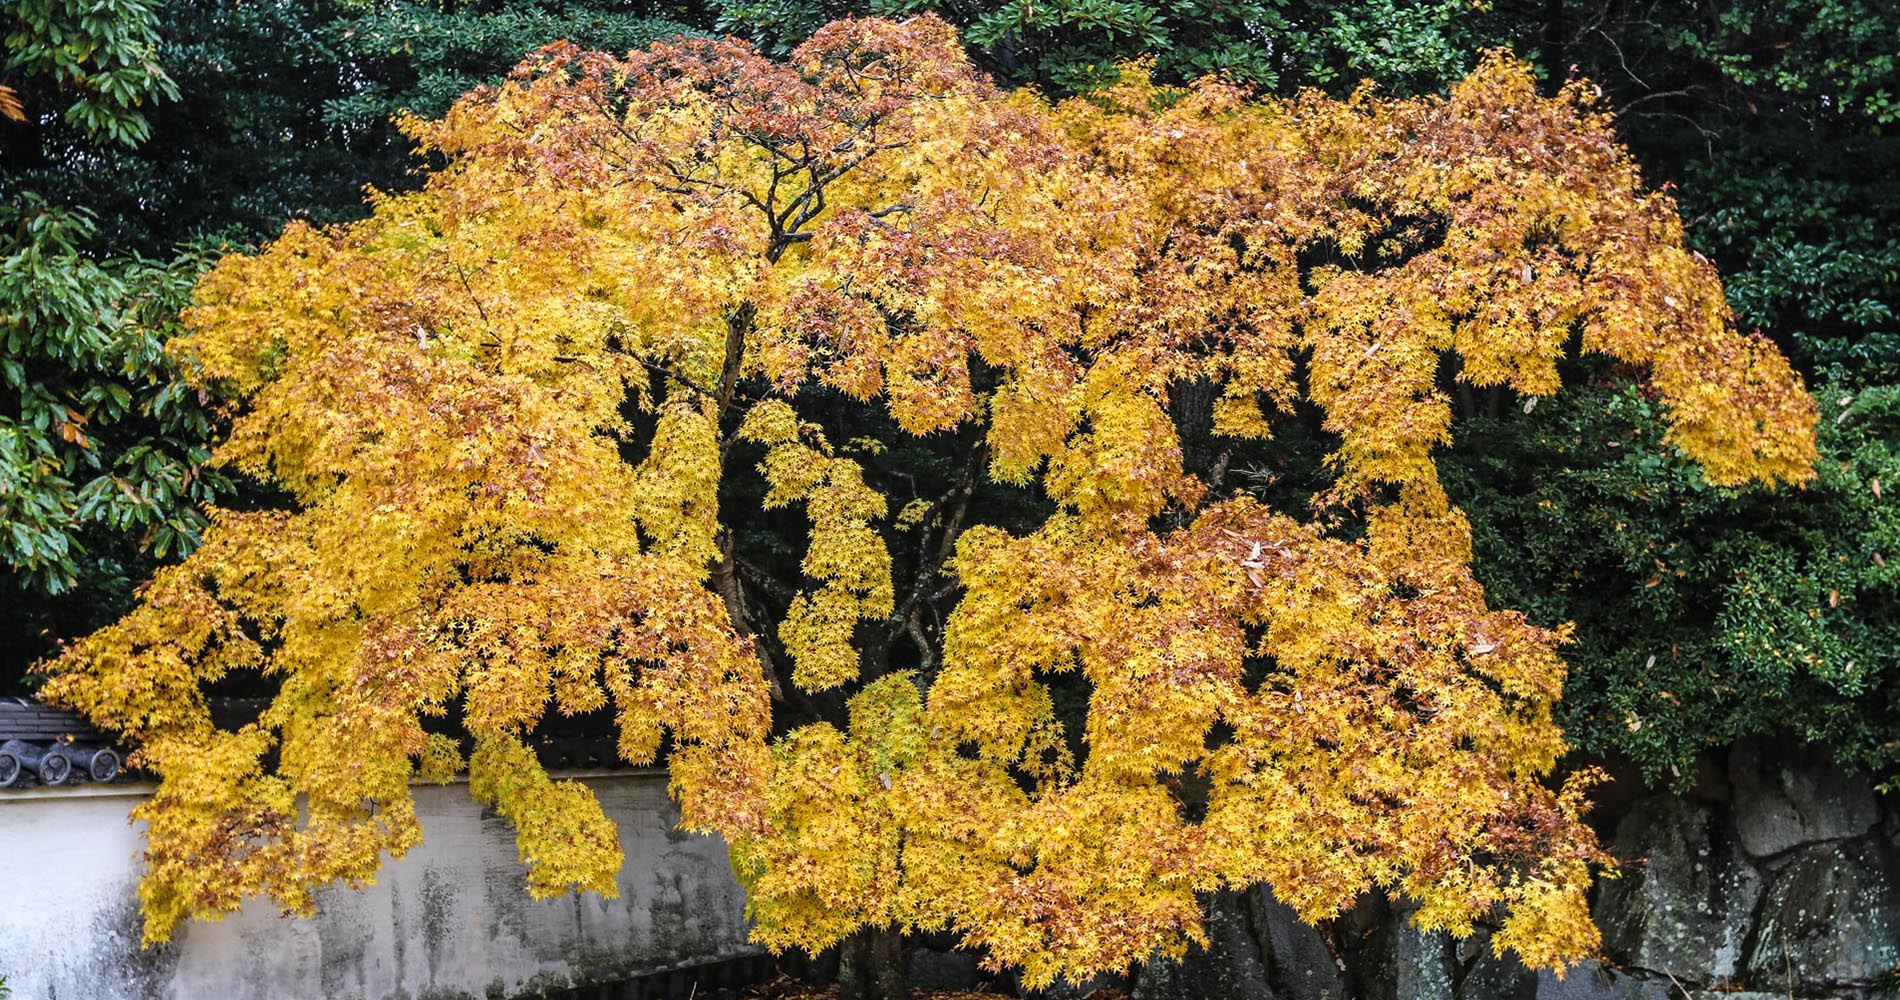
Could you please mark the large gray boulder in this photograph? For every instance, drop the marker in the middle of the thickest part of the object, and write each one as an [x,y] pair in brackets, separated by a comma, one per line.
[1590,981]
[931,969]
[1062,989]
[1788,796]
[1423,960]
[1485,975]
[1402,962]
[1299,964]
[1684,903]
[1229,966]
[1257,949]
[1831,918]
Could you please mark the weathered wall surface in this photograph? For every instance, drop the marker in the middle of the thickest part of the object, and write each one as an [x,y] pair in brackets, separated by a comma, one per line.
[1776,877]
[450,920]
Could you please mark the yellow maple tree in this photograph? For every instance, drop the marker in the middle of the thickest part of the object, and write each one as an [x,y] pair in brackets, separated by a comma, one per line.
[532,419]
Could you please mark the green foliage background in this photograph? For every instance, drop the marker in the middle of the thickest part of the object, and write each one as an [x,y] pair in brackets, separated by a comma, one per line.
[1703,614]
[161,134]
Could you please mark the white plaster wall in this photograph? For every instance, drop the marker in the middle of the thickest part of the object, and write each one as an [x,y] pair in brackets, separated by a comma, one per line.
[452,919]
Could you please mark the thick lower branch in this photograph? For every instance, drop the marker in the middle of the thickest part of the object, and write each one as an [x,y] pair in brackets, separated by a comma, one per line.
[738,327]
[731,590]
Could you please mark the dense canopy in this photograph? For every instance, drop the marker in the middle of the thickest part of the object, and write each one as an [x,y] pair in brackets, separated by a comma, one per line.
[509,412]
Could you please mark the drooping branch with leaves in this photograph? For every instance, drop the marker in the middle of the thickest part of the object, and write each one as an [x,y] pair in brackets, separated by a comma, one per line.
[825,420]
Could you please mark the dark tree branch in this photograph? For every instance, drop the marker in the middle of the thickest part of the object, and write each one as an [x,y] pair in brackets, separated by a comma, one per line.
[951,511]
[731,590]
[738,326]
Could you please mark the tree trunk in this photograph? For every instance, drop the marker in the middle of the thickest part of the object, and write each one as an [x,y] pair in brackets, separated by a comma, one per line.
[871,965]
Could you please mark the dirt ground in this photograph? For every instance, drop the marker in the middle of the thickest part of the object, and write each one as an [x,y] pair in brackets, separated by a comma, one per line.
[791,989]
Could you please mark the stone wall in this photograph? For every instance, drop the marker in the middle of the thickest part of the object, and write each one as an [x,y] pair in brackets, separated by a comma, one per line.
[450,920]
[1776,873]
[1775,877]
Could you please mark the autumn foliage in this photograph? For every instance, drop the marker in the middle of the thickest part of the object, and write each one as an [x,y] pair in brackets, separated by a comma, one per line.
[513,412]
